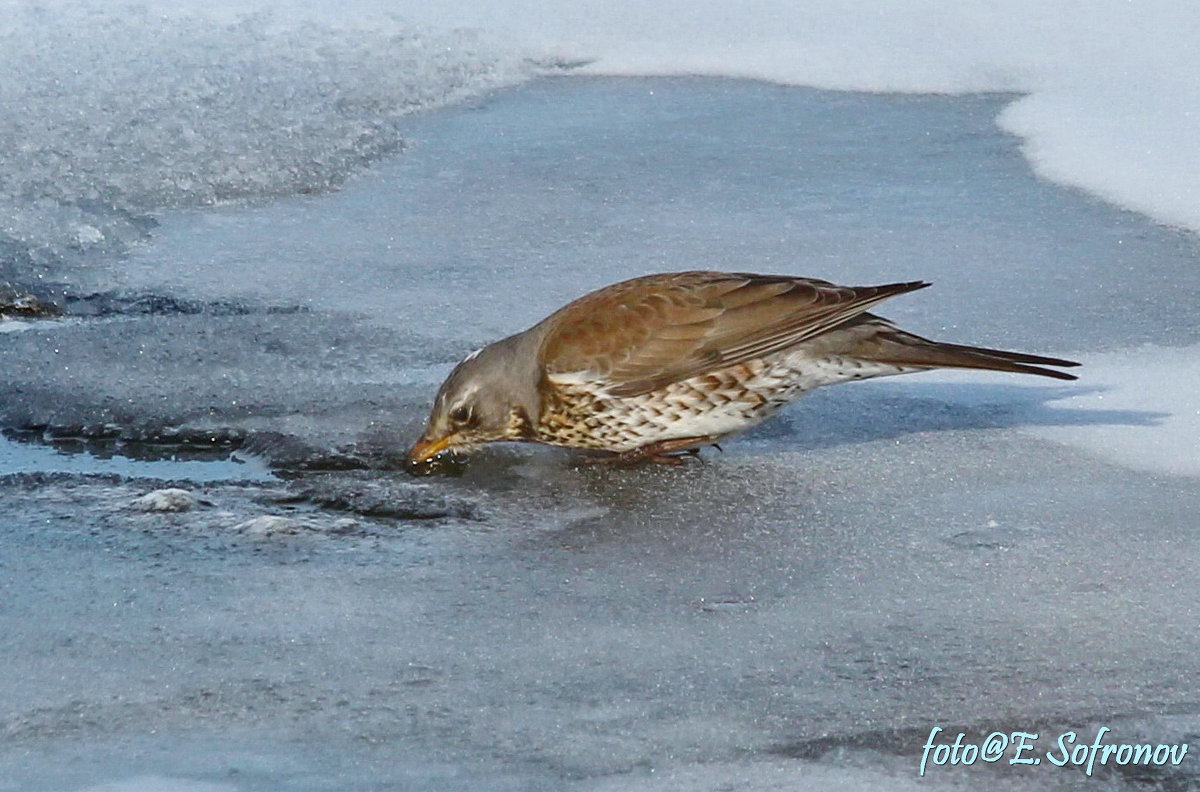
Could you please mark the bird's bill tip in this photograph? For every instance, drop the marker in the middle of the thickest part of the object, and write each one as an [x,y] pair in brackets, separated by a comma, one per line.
[425,449]
[437,457]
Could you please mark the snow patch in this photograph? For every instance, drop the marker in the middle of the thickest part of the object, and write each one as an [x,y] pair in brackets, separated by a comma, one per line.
[1161,384]
[193,110]
[1135,407]
[271,525]
[1113,85]
[165,500]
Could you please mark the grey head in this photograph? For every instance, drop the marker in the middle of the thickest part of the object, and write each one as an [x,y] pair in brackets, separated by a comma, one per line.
[491,395]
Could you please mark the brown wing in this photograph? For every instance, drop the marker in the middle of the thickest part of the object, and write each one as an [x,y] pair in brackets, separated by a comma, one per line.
[645,333]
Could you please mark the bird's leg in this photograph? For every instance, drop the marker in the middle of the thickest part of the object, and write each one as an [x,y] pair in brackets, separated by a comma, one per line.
[659,453]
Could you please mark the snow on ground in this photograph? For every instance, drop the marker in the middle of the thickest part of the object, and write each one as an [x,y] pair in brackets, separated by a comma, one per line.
[1112,85]
[1154,380]
[1111,89]
[876,559]
[189,110]
[1135,407]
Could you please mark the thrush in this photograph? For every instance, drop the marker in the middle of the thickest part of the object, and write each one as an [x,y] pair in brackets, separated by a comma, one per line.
[657,366]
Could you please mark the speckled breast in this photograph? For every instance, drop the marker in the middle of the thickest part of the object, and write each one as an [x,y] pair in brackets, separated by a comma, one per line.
[583,415]
[579,413]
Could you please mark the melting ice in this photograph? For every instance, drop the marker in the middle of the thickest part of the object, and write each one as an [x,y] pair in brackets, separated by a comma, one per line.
[209,195]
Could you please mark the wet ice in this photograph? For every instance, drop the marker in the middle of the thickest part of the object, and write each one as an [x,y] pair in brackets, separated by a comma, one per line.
[796,610]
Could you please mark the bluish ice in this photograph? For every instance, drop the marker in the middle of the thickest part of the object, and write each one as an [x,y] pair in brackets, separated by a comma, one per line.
[293,271]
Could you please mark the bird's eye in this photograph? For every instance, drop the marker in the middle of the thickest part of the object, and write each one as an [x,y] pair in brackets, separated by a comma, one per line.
[460,415]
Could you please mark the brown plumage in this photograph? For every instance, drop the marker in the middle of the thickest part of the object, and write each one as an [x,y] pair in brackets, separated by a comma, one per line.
[669,362]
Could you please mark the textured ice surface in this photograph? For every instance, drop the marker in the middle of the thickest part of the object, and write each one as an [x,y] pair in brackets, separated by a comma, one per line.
[428,248]
[501,213]
[254,105]
[778,614]
[106,114]
[793,613]
[1112,85]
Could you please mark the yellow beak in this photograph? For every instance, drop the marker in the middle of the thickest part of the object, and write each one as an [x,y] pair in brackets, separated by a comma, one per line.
[425,450]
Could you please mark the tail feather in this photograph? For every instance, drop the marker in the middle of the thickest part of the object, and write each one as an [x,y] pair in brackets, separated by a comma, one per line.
[899,348]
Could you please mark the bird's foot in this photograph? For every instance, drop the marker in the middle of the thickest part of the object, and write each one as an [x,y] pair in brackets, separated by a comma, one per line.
[665,452]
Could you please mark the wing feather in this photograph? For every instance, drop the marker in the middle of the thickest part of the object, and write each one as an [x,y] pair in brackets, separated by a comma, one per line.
[645,333]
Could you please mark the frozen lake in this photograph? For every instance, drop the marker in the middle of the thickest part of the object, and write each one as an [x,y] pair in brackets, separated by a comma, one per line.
[976,552]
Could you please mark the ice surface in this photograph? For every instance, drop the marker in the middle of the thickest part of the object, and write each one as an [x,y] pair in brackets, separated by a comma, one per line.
[79,456]
[229,104]
[578,198]
[360,300]
[795,611]
[782,614]
[106,114]
[1112,85]
[160,784]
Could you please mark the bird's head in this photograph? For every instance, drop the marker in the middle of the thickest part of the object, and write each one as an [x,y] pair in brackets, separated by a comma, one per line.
[489,396]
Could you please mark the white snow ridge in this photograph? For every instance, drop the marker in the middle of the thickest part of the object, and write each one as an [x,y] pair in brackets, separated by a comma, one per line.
[165,500]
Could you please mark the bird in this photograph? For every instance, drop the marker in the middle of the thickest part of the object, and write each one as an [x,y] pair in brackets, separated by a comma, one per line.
[651,369]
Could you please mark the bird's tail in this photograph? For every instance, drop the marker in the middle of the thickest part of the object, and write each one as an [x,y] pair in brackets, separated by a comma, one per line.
[896,347]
